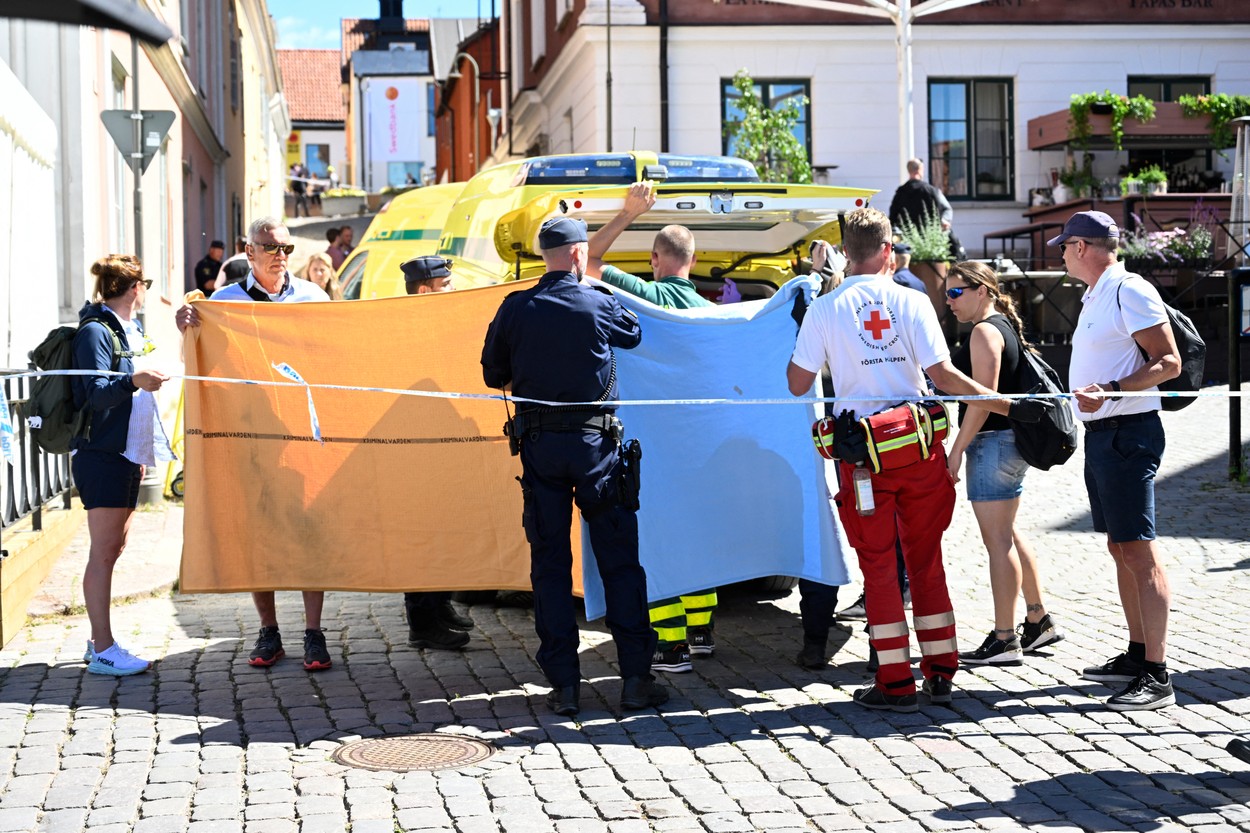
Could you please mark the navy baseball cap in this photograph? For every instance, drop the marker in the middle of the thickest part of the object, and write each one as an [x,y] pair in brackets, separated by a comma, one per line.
[902,249]
[425,268]
[1092,225]
[561,231]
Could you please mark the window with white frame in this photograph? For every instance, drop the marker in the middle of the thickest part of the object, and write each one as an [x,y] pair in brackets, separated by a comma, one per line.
[971,147]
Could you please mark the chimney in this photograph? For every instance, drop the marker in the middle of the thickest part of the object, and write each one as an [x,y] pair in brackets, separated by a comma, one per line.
[391,20]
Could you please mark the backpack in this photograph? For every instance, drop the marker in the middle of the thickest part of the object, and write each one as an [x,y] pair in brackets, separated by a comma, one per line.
[1192,351]
[49,411]
[1052,440]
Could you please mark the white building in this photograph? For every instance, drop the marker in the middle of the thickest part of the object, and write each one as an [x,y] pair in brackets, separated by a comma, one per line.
[980,74]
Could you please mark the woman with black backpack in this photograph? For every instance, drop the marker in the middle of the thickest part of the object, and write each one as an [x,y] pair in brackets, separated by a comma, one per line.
[108,460]
[992,355]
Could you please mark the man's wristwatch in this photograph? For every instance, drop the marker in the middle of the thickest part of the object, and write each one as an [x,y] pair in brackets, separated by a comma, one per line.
[1115,386]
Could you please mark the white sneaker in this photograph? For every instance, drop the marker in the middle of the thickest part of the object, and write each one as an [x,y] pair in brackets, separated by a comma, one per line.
[89,653]
[116,661]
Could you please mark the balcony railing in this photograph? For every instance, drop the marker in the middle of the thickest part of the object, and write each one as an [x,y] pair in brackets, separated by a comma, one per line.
[38,477]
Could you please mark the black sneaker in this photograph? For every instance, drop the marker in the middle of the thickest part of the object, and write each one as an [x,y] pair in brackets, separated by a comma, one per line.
[674,658]
[1119,669]
[447,615]
[436,636]
[874,698]
[995,651]
[855,610]
[938,690]
[642,693]
[1143,694]
[268,648]
[316,657]
[702,643]
[1034,635]
[812,657]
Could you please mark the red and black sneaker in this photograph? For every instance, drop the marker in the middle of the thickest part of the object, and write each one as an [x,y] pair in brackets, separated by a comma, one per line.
[316,657]
[268,648]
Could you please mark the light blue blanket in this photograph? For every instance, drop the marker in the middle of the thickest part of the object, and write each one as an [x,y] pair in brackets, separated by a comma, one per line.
[729,491]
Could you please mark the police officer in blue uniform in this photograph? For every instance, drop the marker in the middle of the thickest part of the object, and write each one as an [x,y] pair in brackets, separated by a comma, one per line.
[553,342]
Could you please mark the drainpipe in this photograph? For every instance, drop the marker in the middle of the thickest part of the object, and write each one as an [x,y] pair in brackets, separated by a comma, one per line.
[663,76]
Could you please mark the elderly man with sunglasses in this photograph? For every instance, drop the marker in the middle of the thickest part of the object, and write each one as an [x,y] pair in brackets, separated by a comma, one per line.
[269,249]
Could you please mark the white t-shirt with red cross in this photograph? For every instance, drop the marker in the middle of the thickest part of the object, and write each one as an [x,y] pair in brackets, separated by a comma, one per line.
[876,337]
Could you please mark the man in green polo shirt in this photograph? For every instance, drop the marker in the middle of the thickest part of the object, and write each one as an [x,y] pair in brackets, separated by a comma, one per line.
[672,256]
[683,624]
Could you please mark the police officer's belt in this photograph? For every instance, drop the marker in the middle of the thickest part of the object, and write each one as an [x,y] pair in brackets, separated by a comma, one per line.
[530,421]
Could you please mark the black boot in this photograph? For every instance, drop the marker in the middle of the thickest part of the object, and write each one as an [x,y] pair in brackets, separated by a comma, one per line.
[565,700]
[642,692]
[812,655]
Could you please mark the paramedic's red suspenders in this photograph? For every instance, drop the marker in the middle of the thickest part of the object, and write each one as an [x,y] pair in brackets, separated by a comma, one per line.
[914,500]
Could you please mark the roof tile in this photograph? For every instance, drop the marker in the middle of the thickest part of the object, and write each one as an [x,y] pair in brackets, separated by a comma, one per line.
[312,82]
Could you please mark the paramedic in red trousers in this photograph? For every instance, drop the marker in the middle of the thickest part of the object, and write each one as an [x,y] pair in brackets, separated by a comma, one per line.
[1121,317]
[879,339]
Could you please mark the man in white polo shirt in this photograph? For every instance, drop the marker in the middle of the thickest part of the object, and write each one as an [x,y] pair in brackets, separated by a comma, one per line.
[878,339]
[1120,313]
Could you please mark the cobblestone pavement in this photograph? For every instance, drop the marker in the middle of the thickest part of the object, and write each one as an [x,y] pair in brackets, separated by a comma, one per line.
[749,742]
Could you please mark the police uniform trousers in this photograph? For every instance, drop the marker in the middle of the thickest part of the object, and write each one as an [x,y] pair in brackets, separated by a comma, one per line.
[422,607]
[582,466]
[914,504]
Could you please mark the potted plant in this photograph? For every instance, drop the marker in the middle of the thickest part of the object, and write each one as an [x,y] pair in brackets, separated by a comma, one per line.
[1078,182]
[342,201]
[930,255]
[1153,180]
[1119,107]
[1130,185]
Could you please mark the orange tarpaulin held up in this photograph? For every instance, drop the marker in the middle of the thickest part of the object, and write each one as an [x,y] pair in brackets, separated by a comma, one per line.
[403,493]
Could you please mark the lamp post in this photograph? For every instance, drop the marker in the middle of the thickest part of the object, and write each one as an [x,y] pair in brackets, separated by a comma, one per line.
[477,95]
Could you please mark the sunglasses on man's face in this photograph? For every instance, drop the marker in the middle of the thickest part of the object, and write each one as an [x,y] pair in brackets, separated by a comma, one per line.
[274,248]
[956,292]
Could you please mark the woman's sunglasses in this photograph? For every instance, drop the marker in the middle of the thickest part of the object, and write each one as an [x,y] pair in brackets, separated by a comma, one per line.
[956,291]
[147,282]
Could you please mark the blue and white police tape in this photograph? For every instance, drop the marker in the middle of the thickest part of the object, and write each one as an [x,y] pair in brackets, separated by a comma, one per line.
[298,381]
[290,373]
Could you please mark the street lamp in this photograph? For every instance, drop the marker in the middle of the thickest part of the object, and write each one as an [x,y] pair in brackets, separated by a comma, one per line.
[477,95]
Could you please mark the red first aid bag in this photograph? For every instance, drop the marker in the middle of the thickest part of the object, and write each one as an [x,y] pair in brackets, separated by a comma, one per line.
[905,434]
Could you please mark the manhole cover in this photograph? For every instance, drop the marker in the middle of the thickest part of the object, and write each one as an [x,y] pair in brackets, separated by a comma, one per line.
[409,753]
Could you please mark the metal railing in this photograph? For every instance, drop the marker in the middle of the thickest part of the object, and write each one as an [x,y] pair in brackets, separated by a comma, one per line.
[38,477]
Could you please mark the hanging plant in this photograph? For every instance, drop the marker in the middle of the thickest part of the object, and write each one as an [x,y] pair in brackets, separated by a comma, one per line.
[1122,107]
[1220,109]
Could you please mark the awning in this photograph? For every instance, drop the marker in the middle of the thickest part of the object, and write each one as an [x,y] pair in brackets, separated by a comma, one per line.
[120,15]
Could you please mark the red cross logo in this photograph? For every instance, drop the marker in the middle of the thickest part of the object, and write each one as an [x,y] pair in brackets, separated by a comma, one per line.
[876,324]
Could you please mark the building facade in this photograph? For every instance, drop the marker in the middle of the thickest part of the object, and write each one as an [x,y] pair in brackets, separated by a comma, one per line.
[980,74]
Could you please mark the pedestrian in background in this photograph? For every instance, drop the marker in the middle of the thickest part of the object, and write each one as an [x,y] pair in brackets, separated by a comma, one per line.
[320,271]
[269,250]
[553,342]
[125,437]
[336,254]
[1122,317]
[206,270]
[991,355]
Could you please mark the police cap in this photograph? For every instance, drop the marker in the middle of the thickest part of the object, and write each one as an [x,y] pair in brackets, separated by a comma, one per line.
[425,267]
[561,231]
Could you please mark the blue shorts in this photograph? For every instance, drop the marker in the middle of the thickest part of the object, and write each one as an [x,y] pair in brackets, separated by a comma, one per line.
[995,469]
[1121,459]
[105,479]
